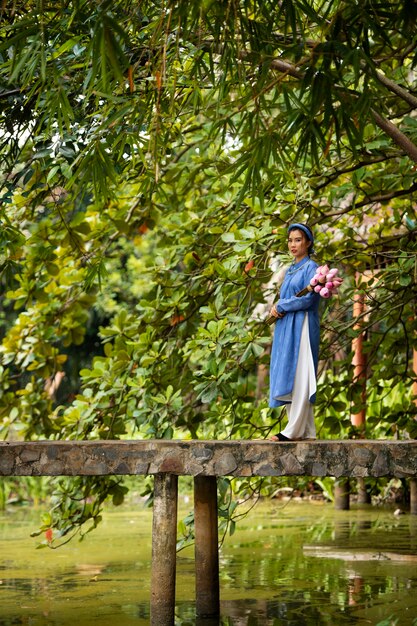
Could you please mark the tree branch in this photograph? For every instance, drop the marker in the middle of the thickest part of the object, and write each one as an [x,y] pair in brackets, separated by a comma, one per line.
[387,196]
[399,91]
[287,68]
[332,176]
[374,199]
[11,92]
[396,135]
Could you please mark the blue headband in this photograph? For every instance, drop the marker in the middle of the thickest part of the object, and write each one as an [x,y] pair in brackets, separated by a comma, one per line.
[306,231]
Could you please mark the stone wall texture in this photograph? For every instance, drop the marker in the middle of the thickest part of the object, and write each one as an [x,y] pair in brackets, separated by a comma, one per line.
[357,458]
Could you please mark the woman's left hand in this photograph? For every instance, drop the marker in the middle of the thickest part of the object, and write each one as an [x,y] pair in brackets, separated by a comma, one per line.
[276,313]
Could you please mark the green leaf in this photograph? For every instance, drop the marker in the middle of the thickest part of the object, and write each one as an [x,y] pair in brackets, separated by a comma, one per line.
[52,173]
[67,45]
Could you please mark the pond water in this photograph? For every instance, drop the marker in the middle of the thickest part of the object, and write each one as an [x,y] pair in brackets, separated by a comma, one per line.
[288,564]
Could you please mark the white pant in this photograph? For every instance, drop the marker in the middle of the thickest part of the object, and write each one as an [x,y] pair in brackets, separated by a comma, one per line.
[300,411]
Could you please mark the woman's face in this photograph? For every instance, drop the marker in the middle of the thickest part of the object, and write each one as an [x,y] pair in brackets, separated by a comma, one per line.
[298,244]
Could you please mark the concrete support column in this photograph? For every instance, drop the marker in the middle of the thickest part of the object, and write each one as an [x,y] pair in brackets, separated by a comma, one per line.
[164,540]
[341,494]
[413,496]
[206,546]
[364,497]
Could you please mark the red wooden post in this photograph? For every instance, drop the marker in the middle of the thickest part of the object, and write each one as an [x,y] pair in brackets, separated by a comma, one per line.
[359,360]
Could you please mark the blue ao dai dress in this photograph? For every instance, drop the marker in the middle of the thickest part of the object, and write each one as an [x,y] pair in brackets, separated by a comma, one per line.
[296,343]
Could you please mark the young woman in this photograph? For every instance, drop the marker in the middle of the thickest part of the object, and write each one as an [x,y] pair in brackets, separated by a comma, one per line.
[295,345]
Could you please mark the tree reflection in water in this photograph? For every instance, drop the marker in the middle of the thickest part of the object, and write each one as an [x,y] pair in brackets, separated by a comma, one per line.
[293,565]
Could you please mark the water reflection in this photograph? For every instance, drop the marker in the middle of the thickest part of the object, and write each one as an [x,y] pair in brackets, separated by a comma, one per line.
[298,565]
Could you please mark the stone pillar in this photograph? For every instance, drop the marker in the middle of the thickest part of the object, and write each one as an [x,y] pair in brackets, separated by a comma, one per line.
[206,546]
[364,497]
[164,544]
[341,494]
[413,496]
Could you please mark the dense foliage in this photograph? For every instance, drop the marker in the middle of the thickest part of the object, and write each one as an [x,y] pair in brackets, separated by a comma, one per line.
[152,155]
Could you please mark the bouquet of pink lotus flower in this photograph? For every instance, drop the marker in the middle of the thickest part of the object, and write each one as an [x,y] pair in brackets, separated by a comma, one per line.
[324,282]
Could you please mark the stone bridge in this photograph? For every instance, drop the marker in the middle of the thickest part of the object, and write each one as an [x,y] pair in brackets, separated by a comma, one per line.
[355,458]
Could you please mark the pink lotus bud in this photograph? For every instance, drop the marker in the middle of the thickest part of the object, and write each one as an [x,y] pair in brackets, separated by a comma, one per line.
[331,274]
[318,288]
[325,293]
[324,269]
[314,281]
[329,285]
[337,281]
